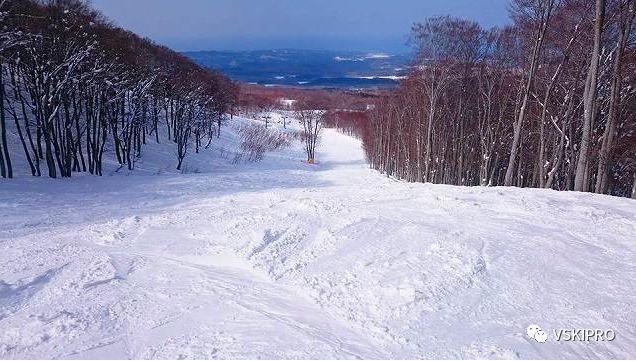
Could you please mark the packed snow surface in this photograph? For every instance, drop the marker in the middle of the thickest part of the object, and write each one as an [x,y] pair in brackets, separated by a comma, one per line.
[281,259]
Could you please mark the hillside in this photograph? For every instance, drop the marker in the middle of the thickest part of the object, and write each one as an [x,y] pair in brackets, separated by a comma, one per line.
[280,259]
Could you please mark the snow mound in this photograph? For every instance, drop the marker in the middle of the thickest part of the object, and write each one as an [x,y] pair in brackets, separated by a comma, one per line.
[281,259]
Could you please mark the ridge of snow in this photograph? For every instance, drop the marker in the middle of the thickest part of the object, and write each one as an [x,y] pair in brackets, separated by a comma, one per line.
[281,259]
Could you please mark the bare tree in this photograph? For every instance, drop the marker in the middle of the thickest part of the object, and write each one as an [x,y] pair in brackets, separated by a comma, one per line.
[542,10]
[471,143]
[73,82]
[626,14]
[311,119]
[581,180]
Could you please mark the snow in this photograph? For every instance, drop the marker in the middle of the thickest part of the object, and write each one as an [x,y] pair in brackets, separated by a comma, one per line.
[281,259]
[363,58]
[377,56]
[343,58]
[287,103]
[391,77]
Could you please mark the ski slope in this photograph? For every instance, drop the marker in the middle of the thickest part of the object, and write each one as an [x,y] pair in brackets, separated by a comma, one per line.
[280,259]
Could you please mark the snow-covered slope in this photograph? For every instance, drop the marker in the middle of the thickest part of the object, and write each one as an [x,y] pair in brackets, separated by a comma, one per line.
[283,259]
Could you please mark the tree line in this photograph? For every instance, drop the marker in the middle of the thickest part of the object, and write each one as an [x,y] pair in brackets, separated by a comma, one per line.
[545,102]
[75,85]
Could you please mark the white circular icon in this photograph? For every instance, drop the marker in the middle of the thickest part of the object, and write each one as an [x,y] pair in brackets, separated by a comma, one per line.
[536,333]
[541,336]
[532,330]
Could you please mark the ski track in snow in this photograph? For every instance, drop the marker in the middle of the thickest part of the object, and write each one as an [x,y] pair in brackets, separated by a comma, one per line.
[280,259]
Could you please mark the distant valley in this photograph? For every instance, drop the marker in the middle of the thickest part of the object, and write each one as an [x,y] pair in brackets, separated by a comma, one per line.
[308,68]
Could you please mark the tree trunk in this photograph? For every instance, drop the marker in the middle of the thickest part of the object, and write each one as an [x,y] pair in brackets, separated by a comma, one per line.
[534,62]
[589,100]
[627,15]
[429,130]
[27,153]
[3,130]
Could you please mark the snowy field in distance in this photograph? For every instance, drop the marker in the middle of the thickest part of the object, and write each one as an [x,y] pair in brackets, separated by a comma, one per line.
[280,259]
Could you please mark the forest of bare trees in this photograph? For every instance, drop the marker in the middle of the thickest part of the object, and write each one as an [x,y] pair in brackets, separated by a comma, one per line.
[73,85]
[546,102]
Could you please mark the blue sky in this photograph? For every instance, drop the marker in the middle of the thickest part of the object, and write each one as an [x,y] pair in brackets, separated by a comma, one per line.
[381,25]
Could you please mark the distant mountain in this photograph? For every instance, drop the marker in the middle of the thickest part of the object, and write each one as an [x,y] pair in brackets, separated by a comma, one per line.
[307,68]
